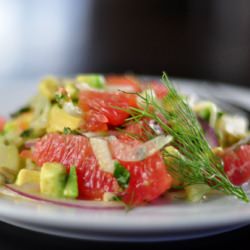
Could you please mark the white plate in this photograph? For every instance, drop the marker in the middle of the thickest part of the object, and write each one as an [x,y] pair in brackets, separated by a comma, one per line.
[154,222]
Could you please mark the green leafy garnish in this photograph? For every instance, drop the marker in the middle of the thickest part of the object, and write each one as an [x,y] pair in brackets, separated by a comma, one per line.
[122,175]
[117,198]
[20,111]
[68,131]
[60,99]
[75,100]
[27,133]
[220,114]
[199,164]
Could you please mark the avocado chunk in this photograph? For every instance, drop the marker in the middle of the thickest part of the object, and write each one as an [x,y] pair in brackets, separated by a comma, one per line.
[27,176]
[59,119]
[9,157]
[71,189]
[196,192]
[93,80]
[9,163]
[53,179]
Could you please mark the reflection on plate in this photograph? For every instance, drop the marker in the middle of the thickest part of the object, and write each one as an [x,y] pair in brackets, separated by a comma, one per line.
[178,220]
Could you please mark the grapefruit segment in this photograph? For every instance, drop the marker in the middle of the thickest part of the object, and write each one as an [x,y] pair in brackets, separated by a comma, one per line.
[76,150]
[148,178]
[237,165]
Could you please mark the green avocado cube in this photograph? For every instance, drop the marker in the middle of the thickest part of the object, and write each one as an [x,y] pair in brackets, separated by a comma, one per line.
[71,188]
[53,179]
[93,80]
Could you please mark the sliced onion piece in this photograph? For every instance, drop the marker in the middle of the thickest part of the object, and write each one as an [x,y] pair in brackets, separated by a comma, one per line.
[128,153]
[14,191]
[101,150]
[155,127]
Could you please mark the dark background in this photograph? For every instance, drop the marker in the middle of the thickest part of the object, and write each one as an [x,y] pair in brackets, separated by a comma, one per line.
[192,38]
[17,239]
[186,38]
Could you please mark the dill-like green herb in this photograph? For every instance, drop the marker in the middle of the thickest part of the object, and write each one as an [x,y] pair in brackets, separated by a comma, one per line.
[199,164]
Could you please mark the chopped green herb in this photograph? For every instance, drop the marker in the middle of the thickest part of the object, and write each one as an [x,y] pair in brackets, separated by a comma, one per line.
[220,114]
[27,133]
[177,187]
[68,131]
[60,98]
[20,111]
[122,175]
[117,198]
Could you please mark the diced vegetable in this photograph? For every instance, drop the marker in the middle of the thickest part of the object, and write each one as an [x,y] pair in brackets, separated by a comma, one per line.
[231,129]
[59,119]
[101,150]
[237,163]
[9,163]
[207,111]
[138,152]
[196,192]
[41,106]
[11,135]
[94,81]
[236,125]
[15,127]
[7,175]
[27,176]
[83,138]
[53,179]
[122,175]
[9,157]
[71,188]
[48,87]
[72,90]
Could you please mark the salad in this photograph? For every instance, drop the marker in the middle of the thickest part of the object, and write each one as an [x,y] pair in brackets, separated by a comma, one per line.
[120,139]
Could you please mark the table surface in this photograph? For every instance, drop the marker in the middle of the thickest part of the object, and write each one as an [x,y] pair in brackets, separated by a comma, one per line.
[13,238]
